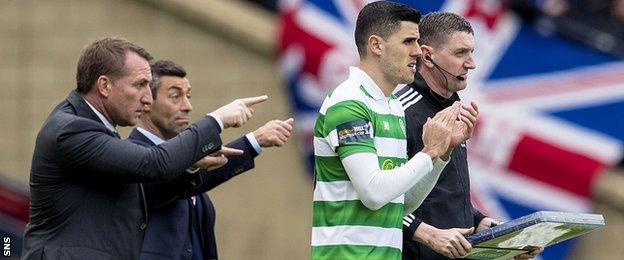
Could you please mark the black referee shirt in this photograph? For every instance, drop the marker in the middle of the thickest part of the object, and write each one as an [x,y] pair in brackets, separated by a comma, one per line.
[448,205]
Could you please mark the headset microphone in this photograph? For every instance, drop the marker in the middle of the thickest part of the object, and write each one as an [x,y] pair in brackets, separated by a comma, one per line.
[458,77]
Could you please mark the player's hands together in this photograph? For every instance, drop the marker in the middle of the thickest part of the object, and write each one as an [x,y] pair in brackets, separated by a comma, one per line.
[464,127]
[437,131]
[237,112]
[274,132]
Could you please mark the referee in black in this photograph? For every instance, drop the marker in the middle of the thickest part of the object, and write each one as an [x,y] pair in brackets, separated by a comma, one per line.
[437,228]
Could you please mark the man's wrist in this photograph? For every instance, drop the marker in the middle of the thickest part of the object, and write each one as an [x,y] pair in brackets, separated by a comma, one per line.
[446,156]
[431,154]
[254,142]
[424,233]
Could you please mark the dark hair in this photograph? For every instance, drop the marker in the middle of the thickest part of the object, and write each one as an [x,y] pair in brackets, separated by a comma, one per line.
[436,28]
[381,18]
[104,57]
[164,68]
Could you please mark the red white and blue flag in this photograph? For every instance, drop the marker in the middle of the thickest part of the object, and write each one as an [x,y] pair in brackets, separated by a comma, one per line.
[551,109]
[13,215]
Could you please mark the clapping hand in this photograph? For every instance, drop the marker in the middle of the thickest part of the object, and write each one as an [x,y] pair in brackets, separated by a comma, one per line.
[464,127]
[437,131]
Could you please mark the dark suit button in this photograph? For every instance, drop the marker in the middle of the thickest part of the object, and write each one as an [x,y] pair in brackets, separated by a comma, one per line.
[143,226]
[189,249]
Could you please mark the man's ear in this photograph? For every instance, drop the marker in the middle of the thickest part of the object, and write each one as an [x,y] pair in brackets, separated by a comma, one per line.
[375,45]
[427,56]
[103,85]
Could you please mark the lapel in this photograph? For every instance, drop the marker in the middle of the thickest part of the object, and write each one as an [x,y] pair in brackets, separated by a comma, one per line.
[140,137]
[81,107]
[83,110]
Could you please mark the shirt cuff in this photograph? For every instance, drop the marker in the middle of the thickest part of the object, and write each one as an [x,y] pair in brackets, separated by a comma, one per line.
[254,143]
[410,224]
[440,164]
[216,118]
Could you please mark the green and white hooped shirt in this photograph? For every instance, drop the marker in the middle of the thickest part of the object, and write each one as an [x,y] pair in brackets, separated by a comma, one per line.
[356,117]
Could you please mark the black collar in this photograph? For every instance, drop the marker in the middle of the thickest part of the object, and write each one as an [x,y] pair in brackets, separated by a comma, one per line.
[420,85]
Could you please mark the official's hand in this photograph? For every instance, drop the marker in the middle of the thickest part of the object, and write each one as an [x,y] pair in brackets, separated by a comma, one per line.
[274,132]
[236,113]
[217,159]
[533,252]
[485,224]
[437,131]
[464,128]
[448,242]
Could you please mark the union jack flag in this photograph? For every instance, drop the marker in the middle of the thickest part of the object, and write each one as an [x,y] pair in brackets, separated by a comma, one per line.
[14,201]
[550,108]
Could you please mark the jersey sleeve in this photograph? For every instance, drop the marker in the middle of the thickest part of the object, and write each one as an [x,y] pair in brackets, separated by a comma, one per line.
[349,129]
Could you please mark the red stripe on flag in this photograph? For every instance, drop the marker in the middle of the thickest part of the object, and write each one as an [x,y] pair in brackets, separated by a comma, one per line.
[314,48]
[13,204]
[553,165]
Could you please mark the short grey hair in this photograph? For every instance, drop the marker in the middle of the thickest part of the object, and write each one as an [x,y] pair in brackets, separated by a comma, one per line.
[436,28]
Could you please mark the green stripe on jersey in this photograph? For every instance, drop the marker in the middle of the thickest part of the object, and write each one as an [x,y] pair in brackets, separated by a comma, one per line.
[387,125]
[343,112]
[329,169]
[355,252]
[389,163]
[353,212]
[319,130]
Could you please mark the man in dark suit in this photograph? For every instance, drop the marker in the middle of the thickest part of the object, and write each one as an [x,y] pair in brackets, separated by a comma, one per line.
[182,225]
[85,200]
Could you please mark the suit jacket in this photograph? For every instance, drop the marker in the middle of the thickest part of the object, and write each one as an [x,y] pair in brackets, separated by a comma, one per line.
[168,232]
[85,200]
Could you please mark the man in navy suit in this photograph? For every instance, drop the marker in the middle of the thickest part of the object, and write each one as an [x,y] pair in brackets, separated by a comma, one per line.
[181,225]
[86,200]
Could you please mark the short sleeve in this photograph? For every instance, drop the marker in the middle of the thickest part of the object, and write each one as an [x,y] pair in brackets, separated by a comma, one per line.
[349,128]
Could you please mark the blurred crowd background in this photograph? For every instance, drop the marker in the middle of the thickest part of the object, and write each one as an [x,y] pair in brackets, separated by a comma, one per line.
[550,81]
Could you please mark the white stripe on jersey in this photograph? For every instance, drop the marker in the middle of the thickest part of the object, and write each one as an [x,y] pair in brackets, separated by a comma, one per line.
[409,92]
[405,106]
[357,235]
[410,98]
[408,219]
